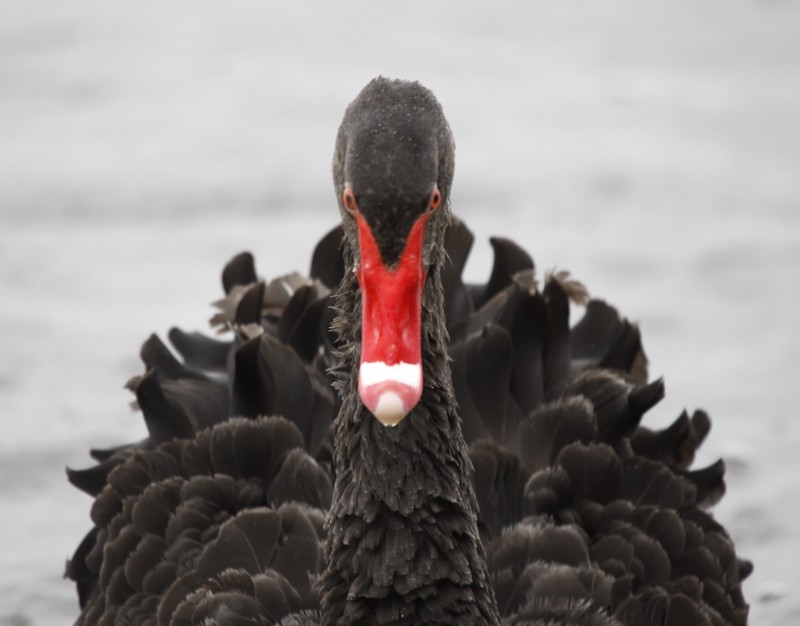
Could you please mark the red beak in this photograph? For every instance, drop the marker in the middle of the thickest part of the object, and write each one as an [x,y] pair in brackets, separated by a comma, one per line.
[390,374]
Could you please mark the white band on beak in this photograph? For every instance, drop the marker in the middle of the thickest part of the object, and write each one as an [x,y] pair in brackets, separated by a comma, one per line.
[390,391]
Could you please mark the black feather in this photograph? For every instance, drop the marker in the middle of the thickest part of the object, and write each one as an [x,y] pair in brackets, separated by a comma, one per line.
[240,270]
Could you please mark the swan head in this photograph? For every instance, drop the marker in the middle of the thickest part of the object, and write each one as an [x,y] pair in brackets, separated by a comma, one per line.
[393,170]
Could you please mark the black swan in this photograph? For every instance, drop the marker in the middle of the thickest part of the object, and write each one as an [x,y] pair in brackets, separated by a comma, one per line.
[383,443]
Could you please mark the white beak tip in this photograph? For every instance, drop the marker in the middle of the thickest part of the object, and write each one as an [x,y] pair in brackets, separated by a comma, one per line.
[390,391]
[389,409]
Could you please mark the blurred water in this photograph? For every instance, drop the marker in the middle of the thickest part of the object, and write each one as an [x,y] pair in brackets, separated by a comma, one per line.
[653,151]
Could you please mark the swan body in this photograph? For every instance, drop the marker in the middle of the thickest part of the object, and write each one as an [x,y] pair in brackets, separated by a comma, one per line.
[384,443]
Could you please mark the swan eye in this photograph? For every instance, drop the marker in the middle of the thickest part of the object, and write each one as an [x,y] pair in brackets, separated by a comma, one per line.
[349,200]
[436,199]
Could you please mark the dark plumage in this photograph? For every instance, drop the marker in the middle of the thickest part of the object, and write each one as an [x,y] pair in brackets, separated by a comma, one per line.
[520,487]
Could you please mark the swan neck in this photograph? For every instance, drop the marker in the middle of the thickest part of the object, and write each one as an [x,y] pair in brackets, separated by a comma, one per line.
[402,529]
